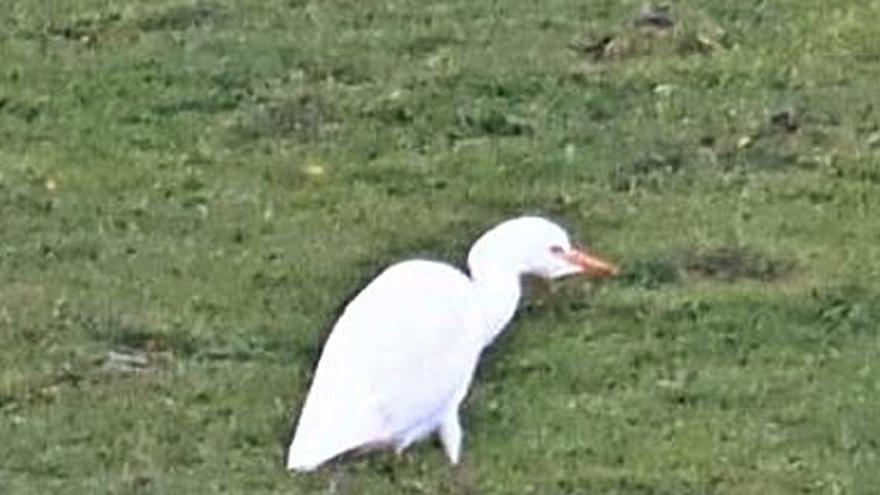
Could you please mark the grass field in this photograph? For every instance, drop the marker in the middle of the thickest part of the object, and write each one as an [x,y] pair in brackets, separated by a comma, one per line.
[189,191]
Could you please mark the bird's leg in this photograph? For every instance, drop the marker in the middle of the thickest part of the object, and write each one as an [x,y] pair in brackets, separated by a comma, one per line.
[450,435]
[338,480]
[461,480]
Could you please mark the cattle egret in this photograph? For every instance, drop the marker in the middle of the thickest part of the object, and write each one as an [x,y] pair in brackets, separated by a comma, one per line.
[400,359]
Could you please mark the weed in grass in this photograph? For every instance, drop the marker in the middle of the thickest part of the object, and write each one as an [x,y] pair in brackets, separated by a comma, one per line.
[301,118]
[491,122]
[651,171]
[656,30]
[651,273]
[181,17]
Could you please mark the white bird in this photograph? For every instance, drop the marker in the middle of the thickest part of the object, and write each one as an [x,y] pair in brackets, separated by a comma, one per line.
[400,359]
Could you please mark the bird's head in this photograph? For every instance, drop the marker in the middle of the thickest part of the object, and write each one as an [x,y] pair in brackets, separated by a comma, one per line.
[533,246]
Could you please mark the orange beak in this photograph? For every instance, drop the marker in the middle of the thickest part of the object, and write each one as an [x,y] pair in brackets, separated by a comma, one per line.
[589,264]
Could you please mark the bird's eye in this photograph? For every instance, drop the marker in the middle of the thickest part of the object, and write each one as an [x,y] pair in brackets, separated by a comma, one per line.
[557,250]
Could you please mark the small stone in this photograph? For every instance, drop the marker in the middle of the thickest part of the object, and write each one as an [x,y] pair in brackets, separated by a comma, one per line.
[744,142]
[663,89]
[313,170]
[655,16]
[570,152]
[597,47]
[785,119]
[126,360]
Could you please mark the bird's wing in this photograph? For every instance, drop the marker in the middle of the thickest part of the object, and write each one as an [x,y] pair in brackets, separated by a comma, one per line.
[400,352]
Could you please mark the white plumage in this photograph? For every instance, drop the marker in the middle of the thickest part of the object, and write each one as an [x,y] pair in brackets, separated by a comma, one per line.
[400,358]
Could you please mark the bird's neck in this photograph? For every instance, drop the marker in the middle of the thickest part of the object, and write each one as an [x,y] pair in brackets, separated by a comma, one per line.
[499,296]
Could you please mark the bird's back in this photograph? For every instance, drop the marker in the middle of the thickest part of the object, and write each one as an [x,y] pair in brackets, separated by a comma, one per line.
[401,350]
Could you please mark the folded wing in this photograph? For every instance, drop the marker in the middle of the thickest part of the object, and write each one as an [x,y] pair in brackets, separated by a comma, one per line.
[403,349]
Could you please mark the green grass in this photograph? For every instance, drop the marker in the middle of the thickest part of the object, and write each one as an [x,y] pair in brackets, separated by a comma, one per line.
[204,183]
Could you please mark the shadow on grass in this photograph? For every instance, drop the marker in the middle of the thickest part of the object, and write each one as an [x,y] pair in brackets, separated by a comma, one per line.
[734,263]
[725,263]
